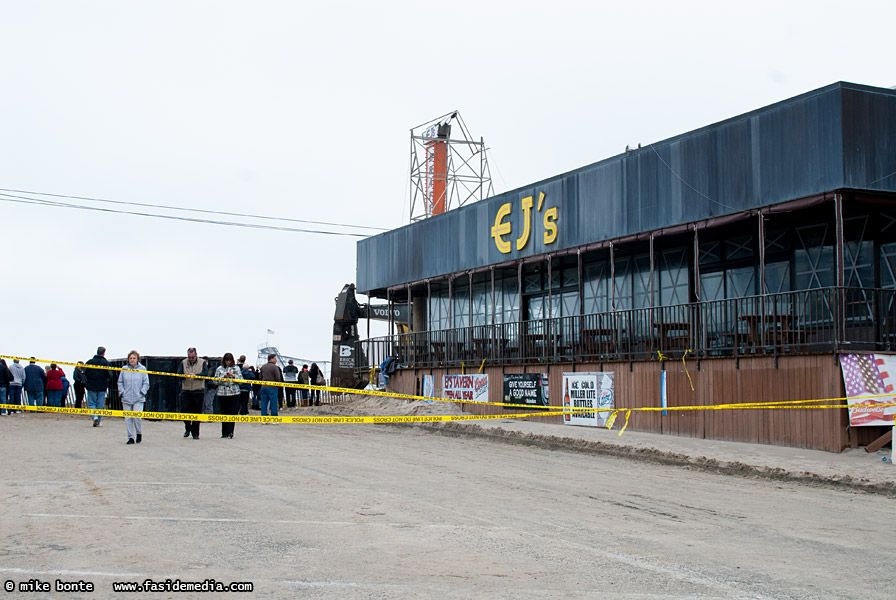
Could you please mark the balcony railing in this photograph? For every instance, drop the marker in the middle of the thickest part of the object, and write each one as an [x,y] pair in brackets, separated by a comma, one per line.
[819,320]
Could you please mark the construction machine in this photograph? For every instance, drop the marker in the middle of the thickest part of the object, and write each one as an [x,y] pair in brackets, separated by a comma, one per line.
[347,355]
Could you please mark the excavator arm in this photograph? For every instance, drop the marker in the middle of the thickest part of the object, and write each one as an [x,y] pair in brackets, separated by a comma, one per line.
[345,334]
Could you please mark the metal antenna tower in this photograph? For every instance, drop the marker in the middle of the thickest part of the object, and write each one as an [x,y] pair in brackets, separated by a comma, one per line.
[446,172]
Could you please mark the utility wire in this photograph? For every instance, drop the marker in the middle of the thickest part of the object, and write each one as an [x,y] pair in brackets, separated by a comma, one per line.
[51,203]
[882,178]
[671,170]
[197,210]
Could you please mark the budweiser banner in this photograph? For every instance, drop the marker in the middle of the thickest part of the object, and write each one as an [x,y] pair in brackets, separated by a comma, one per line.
[466,387]
[864,376]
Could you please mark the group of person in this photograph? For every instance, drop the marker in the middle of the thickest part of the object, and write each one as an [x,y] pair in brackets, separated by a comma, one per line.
[198,393]
[32,385]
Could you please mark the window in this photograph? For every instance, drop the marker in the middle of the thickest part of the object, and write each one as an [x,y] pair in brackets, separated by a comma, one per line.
[596,287]
[482,305]
[622,283]
[813,258]
[673,277]
[460,302]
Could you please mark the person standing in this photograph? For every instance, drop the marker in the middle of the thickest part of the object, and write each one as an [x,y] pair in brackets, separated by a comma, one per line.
[290,375]
[17,383]
[65,387]
[270,372]
[54,386]
[316,375]
[80,381]
[192,390]
[5,380]
[133,386]
[228,392]
[245,388]
[97,382]
[211,392]
[35,383]
[256,389]
[304,379]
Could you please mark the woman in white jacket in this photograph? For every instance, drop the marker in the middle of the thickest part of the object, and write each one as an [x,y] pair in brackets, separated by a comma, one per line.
[133,385]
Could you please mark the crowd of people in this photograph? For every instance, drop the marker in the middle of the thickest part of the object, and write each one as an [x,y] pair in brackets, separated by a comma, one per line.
[34,386]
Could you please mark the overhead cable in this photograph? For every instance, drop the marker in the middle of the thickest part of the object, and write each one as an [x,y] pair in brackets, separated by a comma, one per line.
[197,210]
[51,203]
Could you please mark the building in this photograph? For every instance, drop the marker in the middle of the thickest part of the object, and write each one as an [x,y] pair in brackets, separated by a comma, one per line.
[741,258]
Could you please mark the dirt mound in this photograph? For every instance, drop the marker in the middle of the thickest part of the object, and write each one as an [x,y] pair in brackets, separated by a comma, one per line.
[364,405]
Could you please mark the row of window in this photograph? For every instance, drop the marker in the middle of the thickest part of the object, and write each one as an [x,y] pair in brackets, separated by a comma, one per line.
[797,259]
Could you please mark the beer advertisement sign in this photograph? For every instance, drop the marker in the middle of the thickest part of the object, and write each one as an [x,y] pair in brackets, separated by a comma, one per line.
[589,390]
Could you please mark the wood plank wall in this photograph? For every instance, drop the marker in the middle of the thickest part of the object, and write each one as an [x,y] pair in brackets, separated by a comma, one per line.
[715,381]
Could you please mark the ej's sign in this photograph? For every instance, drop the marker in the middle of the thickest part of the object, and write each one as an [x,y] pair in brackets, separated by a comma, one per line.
[501,228]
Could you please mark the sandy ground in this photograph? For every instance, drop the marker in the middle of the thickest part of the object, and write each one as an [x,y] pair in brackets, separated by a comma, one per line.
[396,511]
[851,469]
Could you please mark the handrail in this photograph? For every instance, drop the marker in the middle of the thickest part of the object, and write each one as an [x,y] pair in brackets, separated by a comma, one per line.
[818,320]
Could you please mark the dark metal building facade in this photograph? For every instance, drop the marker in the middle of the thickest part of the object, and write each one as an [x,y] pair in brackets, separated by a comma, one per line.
[840,137]
[768,238]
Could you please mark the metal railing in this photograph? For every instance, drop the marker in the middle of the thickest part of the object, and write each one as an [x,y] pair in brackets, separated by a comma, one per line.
[820,320]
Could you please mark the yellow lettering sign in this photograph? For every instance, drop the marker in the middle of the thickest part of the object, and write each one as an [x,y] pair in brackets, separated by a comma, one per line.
[502,228]
[550,225]
[527,223]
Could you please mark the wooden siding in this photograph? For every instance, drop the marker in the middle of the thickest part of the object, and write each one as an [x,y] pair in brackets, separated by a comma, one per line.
[716,381]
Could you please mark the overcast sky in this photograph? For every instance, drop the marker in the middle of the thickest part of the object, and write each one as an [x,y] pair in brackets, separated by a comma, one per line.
[282,109]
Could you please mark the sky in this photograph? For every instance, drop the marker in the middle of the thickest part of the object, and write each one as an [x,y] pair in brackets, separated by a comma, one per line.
[303,111]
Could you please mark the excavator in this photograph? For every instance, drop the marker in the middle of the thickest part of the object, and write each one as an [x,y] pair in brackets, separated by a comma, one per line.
[345,335]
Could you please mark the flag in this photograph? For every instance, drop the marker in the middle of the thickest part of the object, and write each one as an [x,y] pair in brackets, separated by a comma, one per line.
[270,332]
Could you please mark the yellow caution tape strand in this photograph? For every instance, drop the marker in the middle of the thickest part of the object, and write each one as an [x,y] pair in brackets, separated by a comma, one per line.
[683,356]
[553,409]
[284,384]
[166,416]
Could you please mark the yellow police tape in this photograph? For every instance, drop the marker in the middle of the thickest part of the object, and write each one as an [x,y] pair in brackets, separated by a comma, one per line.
[546,410]
[258,419]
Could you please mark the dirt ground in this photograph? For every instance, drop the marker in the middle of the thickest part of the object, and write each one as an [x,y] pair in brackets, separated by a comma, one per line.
[386,511]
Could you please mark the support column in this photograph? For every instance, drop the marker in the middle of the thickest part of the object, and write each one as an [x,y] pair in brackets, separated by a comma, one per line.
[550,288]
[652,272]
[389,306]
[696,264]
[612,278]
[762,288]
[492,270]
[519,291]
[840,269]
[839,255]
[581,289]
[450,302]
[410,310]
[470,284]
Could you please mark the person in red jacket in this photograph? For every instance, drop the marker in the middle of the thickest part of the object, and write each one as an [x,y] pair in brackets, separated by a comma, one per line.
[54,385]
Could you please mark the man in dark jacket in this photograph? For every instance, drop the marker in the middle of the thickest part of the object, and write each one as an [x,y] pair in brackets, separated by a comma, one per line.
[35,383]
[80,384]
[97,382]
[245,388]
[290,375]
[5,379]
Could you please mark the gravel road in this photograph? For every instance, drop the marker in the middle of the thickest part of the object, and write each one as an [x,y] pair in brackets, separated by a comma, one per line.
[380,511]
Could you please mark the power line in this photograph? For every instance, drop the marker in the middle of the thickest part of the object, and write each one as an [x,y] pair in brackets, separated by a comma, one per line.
[51,203]
[197,210]
[671,170]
